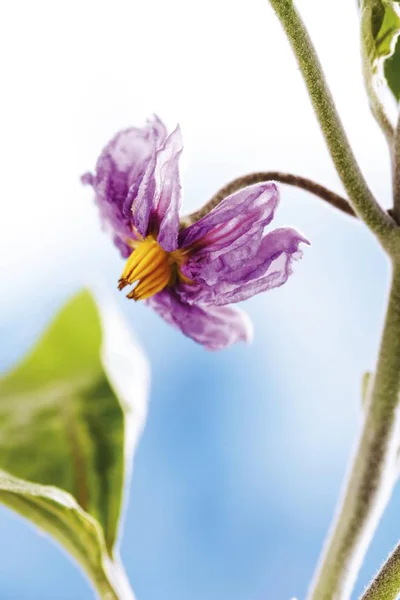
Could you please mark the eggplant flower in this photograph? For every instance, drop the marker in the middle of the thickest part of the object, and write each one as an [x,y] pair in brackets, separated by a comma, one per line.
[188,275]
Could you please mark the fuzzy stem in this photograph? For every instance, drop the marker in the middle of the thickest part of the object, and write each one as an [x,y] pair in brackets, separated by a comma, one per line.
[377,108]
[373,470]
[259,177]
[358,192]
[386,583]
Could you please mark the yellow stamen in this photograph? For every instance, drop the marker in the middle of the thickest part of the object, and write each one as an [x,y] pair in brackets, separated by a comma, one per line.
[148,247]
[152,268]
[150,285]
[155,258]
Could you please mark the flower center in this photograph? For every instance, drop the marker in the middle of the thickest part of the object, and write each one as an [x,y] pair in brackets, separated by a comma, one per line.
[152,268]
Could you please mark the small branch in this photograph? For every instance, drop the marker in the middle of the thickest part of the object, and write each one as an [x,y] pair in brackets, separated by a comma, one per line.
[373,470]
[301,182]
[377,107]
[379,112]
[386,583]
[359,194]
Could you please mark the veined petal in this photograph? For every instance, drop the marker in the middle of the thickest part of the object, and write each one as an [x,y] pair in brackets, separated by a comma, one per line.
[156,203]
[141,198]
[224,280]
[121,167]
[237,221]
[213,327]
[168,186]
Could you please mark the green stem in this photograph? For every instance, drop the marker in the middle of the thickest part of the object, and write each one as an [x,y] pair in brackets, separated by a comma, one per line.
[386,583]
[120,588]
[377,108]
[346,165]
[373,470]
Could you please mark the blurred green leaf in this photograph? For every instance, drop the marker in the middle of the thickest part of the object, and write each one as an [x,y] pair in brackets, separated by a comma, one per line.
[380,31]
[386,28]
[392,72]
[381,28]
[66,439]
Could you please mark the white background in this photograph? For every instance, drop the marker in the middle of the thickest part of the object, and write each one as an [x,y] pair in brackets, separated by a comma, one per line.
[72,75]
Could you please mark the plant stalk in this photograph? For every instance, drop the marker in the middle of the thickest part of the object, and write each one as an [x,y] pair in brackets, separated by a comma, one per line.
[120,588]
[373,470]
[359,194]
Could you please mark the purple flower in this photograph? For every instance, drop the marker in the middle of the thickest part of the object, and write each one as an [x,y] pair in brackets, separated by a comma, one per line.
[188,275]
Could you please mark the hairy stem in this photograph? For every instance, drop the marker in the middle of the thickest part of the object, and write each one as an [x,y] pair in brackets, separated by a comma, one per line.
[386,583]
[288,178]
[359,194]
[378,110]
[373,470]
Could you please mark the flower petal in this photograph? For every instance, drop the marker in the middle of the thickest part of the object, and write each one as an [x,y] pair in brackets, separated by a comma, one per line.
[230,279]
[239,218]
[120,168]
[156,202]
[213,327]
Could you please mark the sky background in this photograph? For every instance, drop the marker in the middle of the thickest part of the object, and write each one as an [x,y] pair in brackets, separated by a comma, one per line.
[244,451]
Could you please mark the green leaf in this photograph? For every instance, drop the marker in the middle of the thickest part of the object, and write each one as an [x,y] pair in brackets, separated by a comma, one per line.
[381,28]
[392,72]
[380,32]
[58,514]
[387,28]
[66,439]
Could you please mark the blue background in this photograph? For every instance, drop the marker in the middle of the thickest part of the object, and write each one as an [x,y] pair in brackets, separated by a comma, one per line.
[240,465]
